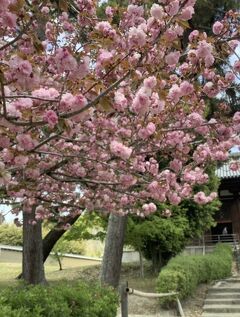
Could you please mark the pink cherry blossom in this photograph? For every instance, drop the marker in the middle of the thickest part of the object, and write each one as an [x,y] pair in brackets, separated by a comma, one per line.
[51,118]
[106,29]
[45,10]
[187,13]
[172,58]
[141,102]
[234,166]
[10,20]
[120,150]
[137,37]
[25,141]
[64,60]
[157,11]
[230,77]
[236,66]
[186,88]
[193,35]
[217,27]
[200,198]
[149,208]
[120,101]
[173,8]
[174,93]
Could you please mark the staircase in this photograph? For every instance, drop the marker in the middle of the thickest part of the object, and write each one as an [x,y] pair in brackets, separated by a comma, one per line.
[223,299]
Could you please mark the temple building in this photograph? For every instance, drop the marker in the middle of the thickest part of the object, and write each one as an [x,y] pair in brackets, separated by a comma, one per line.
[228,217]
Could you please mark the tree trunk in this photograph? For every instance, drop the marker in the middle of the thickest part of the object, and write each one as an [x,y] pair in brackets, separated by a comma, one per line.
[113,250]
[157,260]
[33,268]
[52,238]
[54,235]
[58,256]
[141,264]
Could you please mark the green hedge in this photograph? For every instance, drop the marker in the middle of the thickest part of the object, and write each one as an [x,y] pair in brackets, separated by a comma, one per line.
[183,274]
[10,235]
[62,299]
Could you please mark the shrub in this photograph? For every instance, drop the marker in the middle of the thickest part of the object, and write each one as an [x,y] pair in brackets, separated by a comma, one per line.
[182,274]
[10,235]
[62,299]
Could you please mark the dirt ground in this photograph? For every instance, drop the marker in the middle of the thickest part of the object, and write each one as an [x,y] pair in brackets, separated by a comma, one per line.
[146,306]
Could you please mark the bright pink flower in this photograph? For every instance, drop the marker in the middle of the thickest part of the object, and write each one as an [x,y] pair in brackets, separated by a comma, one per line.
[20,66]
[234,166]
[120,150]
[106,29]
[176,165]
[141,102]
[233,44]
[64,60]
[236,66]
[187,13]
[127,180]
[210,90]
[109,11]
[10,20]
[51,118]
[173,8]
[174,93]
[200,198]
[150,82]
[120,101]
[32,173]
[157,11]
[204,49]
[230,77]
[236,121]
[45,10]
[20,160]
[217,27]
[45,93]
[209,60]
[25,141]
[186,88]
[4,141]
[148,131]
[173,198]
[172,58]
[149,208]
[193,35]
[136,37]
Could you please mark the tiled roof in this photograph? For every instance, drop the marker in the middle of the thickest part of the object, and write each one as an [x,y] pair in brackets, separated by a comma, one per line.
[224,172]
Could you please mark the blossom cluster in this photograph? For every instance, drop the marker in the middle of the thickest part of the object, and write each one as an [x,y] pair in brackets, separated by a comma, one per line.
[111,117]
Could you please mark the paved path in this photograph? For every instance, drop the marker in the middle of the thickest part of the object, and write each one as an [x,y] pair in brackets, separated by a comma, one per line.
[223,299]
[162,314]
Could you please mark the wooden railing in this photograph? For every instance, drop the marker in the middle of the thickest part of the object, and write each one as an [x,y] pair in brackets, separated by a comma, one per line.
[126,291]
[215,238]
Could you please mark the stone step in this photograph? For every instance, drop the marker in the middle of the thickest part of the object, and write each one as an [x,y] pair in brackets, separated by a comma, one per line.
[221,308]
[223,295]
[233,280]
[225,301]
[223,290]
[220,315]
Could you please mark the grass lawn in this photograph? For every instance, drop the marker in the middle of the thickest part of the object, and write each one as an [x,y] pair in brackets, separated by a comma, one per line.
[130,273]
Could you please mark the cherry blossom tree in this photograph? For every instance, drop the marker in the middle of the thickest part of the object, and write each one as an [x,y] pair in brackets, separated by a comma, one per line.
[87,112]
